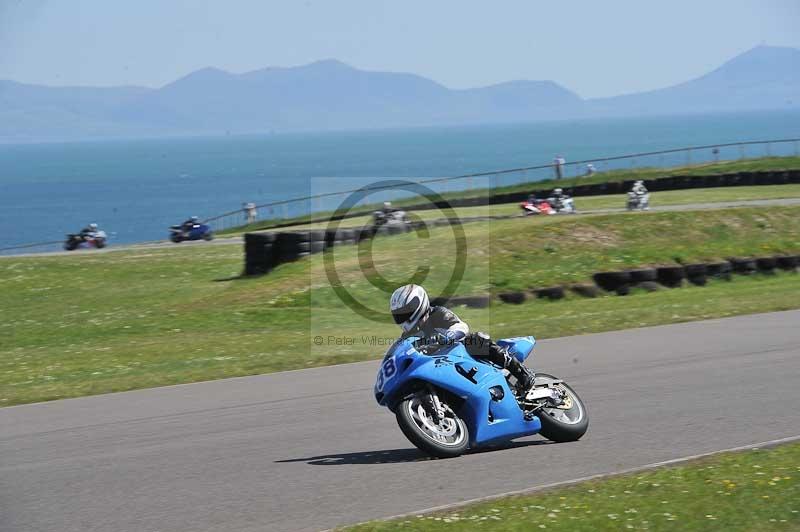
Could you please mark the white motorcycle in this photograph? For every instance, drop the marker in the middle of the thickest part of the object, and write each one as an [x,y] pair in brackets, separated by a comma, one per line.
[394,217]
[638,202]
[563,205]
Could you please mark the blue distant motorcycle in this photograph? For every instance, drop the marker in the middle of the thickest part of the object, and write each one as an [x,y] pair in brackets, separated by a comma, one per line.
[446,401]
[179,233]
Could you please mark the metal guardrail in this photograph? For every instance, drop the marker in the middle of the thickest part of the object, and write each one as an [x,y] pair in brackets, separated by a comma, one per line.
[33,245]
[299,207]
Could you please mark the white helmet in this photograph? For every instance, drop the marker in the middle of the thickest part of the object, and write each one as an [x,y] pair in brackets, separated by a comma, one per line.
[409,304]
[558,191]
[93,226]
[638,183]
[387,204]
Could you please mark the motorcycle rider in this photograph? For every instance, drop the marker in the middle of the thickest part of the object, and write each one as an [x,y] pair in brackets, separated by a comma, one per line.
[411,309]
[88,231]
[558,198]
[385,215]
[189,224]
[641,193]
[638,188]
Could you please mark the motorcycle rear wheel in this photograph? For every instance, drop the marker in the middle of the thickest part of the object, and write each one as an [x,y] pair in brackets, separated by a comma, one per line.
[447,439]
[559,424]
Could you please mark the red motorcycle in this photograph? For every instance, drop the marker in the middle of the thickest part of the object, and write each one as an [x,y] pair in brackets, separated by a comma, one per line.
[531,207]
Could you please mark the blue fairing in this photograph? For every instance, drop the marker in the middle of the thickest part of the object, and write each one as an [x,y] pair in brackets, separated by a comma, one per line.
[521,346]
[452,369]
[199,231]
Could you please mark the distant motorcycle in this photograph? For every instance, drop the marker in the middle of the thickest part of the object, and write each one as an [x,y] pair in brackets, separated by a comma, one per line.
[533,207]
[179,233]
[380,218]
[552,205]
[638,202]
[563,205]
[86,240]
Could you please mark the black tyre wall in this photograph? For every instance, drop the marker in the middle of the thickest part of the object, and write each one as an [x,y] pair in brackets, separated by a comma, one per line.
[671,276]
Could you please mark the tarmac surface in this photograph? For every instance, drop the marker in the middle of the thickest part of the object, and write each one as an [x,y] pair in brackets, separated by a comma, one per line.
[310,449]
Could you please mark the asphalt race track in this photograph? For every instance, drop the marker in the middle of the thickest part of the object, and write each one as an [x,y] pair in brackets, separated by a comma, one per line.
[310,449]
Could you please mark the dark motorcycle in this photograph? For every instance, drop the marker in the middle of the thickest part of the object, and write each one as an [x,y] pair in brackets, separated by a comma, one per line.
[179,233]
[86,241]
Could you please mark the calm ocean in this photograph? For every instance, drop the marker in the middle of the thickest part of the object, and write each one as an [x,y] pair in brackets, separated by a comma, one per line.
[135,189]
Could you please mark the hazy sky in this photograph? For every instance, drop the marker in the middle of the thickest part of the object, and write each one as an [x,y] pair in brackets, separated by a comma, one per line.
[594,47]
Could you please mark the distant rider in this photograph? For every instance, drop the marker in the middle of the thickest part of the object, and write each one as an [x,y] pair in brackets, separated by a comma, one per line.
[89,231]
[558,198]
[384,215]
[638,188]
[641,195]
[189,224]
[411,310]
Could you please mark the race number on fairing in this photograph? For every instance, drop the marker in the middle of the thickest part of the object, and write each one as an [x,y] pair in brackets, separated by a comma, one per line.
[387,371]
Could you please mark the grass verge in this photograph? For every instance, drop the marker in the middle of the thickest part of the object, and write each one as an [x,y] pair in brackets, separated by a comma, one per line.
[117,343]
[755,490]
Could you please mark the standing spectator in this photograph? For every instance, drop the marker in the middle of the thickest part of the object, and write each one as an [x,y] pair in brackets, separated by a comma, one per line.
[558,166]
[590,170]
[250,211]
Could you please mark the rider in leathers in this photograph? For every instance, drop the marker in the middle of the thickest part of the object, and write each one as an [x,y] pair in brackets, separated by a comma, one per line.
[638,188]
[412,311]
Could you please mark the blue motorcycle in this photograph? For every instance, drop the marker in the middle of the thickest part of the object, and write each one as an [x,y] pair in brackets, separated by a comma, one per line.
[446,401]
[179,233]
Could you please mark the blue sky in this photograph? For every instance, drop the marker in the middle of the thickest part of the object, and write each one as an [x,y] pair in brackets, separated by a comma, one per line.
[596,48]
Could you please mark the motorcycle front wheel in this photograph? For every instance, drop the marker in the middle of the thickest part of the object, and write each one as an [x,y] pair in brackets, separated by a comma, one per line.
[567,422]
[447,438]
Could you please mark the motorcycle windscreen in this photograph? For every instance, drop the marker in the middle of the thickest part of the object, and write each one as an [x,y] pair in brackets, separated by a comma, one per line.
[521,347]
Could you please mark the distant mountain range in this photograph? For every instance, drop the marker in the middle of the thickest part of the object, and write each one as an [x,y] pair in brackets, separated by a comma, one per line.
[329,95]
